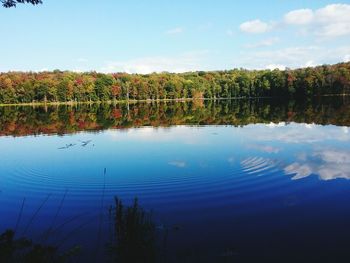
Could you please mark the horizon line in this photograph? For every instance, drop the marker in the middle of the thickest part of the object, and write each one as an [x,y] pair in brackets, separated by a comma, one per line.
[172,72]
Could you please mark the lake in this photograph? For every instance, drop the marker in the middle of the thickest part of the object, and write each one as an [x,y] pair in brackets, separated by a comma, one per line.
[226,181]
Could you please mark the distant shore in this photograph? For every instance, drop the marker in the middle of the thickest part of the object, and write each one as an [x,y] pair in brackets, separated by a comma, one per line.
[57,103]
[72,103]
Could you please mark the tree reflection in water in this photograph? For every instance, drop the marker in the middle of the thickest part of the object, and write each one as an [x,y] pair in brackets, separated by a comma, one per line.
[64,119]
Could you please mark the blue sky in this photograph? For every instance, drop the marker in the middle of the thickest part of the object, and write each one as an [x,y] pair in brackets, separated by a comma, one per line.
[146,36]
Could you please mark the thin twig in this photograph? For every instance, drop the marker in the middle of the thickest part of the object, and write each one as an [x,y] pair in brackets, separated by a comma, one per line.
[99,235]
[60,243]
[71,219]
[20,215]
[56,215]
[35,214]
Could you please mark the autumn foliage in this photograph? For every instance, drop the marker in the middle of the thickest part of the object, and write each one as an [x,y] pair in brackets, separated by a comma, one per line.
[66,86]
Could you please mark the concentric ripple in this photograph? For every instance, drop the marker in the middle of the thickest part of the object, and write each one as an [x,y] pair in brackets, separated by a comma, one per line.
[161,188]
[216,176]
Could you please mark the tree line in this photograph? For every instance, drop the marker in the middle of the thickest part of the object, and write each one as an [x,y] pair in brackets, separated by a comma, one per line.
[66,86]
[66,119]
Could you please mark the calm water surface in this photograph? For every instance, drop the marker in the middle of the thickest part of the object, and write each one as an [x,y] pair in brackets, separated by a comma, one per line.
[231,182]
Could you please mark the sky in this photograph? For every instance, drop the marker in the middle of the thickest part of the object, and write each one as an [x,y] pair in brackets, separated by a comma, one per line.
[176,36]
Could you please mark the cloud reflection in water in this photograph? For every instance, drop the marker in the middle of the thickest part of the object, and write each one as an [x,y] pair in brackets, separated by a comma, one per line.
[327,164]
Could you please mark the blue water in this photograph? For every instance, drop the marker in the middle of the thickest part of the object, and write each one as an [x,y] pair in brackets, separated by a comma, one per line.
[257,193]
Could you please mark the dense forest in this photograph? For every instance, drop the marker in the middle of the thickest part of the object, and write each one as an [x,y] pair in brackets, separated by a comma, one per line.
[65,86]
[63,119]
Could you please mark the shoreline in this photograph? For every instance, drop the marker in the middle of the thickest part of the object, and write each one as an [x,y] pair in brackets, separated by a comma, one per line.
[74,103]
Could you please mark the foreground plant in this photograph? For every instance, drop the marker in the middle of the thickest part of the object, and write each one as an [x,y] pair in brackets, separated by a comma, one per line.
[24,250]
[134,235]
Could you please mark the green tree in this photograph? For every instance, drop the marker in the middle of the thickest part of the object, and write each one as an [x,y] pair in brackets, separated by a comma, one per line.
[103,85]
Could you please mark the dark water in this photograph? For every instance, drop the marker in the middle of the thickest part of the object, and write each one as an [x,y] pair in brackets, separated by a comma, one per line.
[230,181]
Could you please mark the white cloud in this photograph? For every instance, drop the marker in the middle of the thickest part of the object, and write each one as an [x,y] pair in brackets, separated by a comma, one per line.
[42,70]
[309,63]
[275,66]
[333,30]
[255,27]
[78,70]
[190,61]
[327,22]
[337,13]
[290,57]
[293,57]
[263,43]
[174,31]
[320,29]
[346,58]
[299,17]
